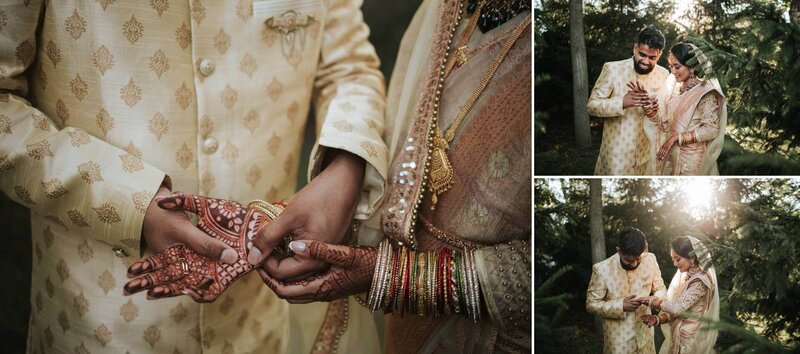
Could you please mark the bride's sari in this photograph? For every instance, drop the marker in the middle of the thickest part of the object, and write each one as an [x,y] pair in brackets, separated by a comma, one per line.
[702,111]
[690,334]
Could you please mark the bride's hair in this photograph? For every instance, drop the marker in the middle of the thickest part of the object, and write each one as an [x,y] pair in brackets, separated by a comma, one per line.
[683,53]
[683,247]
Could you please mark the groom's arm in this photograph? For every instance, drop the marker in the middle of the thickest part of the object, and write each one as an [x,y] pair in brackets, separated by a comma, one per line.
[659,289]
[602,103]
[595,296]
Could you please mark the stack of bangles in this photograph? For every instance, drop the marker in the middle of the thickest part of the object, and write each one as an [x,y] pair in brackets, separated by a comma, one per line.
[662,316]
[687,138]
[430,283]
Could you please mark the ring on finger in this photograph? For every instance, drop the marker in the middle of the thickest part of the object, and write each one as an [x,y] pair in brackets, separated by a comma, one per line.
[184,266]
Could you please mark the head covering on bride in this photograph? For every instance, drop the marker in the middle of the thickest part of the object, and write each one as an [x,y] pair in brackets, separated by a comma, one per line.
[705,336]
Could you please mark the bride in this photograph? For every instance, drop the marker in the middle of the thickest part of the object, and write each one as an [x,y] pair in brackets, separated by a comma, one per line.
[693,290]
[692,124]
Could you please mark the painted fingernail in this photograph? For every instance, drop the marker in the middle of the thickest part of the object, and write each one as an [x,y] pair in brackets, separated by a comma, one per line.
[255,256]
[297,246]
[229,256]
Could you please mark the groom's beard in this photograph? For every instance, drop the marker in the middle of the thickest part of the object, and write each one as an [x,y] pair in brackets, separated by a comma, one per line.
[642,71]
[627,267]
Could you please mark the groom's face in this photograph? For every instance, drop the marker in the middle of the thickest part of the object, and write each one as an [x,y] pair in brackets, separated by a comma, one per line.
[630,262]
[645,58]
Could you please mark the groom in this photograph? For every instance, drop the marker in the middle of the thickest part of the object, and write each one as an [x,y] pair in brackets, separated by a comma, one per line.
[618,286]
[625,149]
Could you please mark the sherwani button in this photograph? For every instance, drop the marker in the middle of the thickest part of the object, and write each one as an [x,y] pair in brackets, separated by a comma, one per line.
[119,252]
[207,67]
[210,145]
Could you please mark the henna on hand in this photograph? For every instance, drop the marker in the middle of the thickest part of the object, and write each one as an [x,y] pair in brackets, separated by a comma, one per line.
[180,270]
[350,273]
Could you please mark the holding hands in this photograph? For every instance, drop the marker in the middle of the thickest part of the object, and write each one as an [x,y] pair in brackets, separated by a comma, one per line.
[637,96]
[230,240]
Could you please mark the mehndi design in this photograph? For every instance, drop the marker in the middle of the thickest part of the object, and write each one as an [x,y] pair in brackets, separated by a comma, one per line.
[179,270]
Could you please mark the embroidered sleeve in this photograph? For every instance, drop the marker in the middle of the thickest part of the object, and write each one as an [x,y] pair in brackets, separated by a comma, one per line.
[349,99]
[707,112]
[70,177]
[603,101]
[695,292]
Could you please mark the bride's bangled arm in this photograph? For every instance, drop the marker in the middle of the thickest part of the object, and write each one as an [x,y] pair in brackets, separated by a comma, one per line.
[694,293]
[493,280]
[707,111]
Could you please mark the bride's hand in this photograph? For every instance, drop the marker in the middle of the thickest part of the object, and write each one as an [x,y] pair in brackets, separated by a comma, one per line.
[650,320]
[671,140]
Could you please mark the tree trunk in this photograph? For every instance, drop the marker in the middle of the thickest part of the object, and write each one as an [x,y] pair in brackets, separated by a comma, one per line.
[596,227]
[580,80]
[794,11]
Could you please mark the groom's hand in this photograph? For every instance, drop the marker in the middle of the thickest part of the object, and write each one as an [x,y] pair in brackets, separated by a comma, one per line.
[635,99]
[630,303]
[323,211]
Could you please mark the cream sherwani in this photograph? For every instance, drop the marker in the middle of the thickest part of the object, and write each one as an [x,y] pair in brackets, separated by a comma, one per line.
[626,148]
[624,332]
[99,100]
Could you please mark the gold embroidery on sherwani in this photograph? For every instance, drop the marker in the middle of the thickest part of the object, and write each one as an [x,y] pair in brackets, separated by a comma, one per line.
[183,36]
[222,41]
[56,220]
[184,156]
[251,120]
[160,6]
[242,318]
[228,96]
[85,252]
[104,121]
[104,3]
[48,337]
[274,89]
[42,81]
[79,87]
[248,65]
[78,137]
[23,194]
[132,159]
[107,213]
[102,333]
[62,269]
[183,95]
[230,153]
[5,124]
[81,349]
[75,25]
[62,111]
[132,29]
[198,11]
[158,125]
[81,304]
[49,288]
[141,200]
[206,126]
[90,172]
[40,122]
[159,63]
[178,313]
[63,321]
[3,20]
[293,111]
[129,311]
[54,189]
[77,218]
[5,164]
[24,52]
[53,53]
[102,59]
[48,237]
[131,93]
[152,335]
[253,175]
[244,9]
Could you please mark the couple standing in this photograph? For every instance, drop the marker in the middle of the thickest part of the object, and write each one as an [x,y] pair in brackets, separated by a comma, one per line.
[627,286]
[656,123]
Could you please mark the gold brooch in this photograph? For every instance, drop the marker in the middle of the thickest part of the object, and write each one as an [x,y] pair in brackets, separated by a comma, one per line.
[292,27]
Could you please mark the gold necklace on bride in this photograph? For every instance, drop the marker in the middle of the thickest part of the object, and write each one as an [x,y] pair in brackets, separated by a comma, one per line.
[441,175]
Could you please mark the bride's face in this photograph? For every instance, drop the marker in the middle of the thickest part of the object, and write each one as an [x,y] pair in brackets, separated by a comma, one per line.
[680,71]
[683,264]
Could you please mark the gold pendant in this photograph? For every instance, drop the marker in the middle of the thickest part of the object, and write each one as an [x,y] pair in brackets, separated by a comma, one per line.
[462,55]
[441,173]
